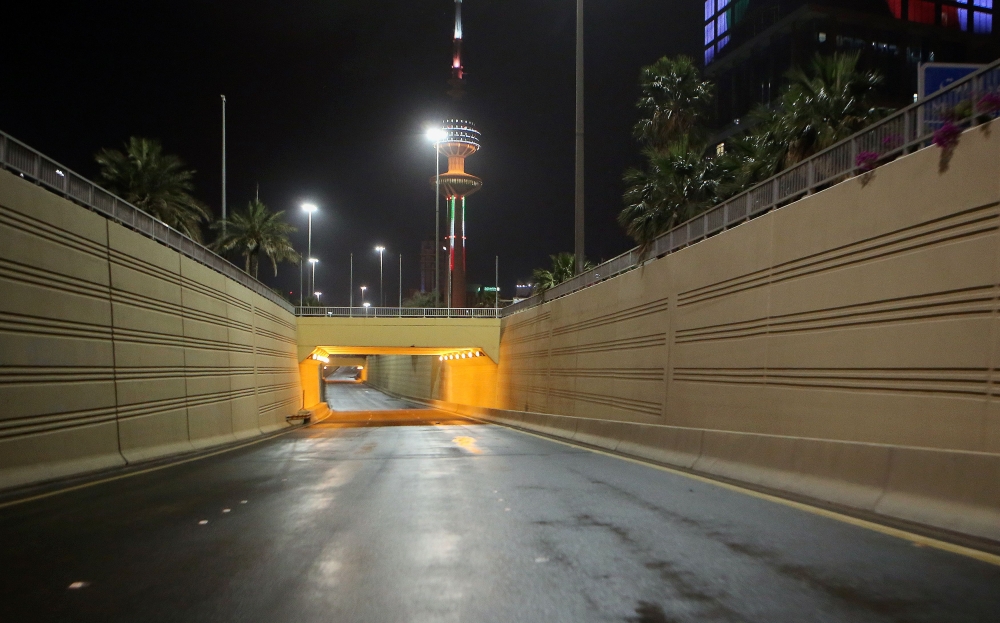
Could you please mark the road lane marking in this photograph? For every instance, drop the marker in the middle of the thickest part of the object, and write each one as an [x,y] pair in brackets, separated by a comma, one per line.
[202,522]
[468,443]
[918,540]
[78,585]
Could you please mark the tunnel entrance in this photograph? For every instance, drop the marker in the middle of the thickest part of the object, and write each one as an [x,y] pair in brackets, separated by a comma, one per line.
[355,404]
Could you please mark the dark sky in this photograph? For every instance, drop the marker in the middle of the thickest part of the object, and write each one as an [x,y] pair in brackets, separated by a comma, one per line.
[328,101]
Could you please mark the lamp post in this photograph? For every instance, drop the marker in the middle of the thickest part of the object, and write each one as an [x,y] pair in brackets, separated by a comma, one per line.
[309,208]
[400,280]
[436,134]
[578,199]
[313,261]
[363,288]
[224,166]
[318,294]
[381,291]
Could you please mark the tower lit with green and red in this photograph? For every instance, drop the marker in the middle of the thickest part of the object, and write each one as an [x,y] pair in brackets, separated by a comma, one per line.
[460,139]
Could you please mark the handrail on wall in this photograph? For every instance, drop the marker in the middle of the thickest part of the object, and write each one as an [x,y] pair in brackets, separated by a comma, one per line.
[35,166]
[904,131]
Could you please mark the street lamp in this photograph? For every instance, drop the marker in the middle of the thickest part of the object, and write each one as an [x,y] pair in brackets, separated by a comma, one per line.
[437,135]
[309,208]
[381,292]
[363,288]
[317,295]
[578,198]
[313,261]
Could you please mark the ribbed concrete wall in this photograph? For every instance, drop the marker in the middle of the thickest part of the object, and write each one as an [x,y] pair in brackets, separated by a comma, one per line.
[114,348]
[844,348]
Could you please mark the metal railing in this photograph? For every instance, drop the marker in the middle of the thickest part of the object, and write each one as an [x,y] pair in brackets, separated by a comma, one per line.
[902,132]
[34,166]
[398,312]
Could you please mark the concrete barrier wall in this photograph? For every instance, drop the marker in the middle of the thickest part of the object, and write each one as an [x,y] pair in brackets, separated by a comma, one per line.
[115,349]
[843,347]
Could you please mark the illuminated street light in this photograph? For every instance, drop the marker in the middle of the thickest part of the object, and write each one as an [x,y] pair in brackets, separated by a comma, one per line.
[317,294]
[381,293]
[363,288]
[309,208]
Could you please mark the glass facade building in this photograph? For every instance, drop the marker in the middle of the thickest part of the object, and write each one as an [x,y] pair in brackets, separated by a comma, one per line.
[751,44]
[975,16]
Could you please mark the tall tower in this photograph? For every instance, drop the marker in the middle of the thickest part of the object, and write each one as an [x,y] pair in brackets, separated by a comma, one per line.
[460,139]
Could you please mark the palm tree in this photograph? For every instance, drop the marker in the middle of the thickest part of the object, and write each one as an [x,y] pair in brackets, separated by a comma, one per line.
[154,182]
[254,231]
[563,268]
[674,99]
[677,184]
[755,156]
[825,103]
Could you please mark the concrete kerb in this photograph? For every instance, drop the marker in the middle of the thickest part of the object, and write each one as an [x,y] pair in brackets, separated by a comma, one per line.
[849,476]
[80,474]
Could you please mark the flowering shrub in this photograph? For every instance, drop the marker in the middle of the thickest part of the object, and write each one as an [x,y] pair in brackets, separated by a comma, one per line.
[946,137]
[866,160]
[989,103]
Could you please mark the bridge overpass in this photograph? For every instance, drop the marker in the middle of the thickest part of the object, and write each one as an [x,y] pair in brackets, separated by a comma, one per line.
[432,334]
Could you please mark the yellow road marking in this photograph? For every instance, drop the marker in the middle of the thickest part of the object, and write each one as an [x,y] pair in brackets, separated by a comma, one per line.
[147,470]
[917,539]
[469,443]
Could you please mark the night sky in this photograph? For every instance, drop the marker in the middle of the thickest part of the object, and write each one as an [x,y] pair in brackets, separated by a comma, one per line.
[328,102]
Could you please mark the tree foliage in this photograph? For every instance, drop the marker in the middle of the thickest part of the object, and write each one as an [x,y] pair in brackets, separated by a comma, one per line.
[677,181]
[823,103]
[254,232]
[826,102]
[563,268]
[422,299]
[155,182]
[674,100]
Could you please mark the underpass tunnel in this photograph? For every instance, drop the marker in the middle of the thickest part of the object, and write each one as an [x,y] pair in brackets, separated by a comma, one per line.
[459,375]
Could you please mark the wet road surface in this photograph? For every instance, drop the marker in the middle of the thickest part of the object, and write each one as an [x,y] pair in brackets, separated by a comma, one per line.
[448,520]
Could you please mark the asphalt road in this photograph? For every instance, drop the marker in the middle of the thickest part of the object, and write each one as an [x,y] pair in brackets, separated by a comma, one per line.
[353,522]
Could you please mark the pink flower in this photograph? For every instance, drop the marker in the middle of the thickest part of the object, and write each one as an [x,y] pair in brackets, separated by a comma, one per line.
[989,103]
[866,160]
[946,137]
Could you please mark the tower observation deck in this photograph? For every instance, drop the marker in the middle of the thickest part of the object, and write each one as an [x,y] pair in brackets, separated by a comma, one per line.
[461,140]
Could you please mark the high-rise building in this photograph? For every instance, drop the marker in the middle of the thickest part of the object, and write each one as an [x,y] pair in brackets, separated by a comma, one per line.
[751,44]
[459,140]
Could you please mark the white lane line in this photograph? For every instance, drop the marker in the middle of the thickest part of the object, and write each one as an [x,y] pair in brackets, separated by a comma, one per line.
[78,585]
[202,522]
[225,510]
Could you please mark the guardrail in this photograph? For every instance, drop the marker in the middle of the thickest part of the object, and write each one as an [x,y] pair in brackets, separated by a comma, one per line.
[904,131]
[398,312]
[35,166]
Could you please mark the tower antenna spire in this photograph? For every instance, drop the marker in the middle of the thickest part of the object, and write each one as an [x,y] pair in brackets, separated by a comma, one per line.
[457,80]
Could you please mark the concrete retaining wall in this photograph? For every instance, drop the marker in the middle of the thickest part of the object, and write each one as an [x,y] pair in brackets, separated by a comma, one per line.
[115,349]
[844,347]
